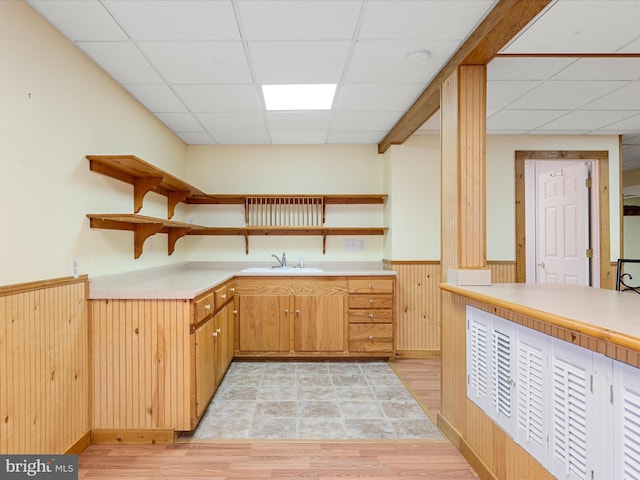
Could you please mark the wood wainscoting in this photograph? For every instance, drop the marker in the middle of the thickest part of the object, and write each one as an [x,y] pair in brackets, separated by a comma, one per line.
[44,367]
[417,304]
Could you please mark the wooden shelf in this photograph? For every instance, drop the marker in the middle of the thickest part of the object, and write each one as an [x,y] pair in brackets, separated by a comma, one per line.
[142,227]
[308,210]
[631,210]
[145,178]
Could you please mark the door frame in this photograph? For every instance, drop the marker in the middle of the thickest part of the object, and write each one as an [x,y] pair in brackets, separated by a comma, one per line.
[601,160]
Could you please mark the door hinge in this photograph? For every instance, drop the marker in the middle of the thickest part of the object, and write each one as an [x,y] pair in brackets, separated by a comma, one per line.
[589,253]
[611,394]
[591,384]
[588,182]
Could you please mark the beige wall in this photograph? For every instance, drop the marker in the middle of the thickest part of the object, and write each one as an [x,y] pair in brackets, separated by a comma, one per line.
[56,107]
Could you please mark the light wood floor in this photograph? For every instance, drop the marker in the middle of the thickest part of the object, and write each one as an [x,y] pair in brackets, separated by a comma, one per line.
[251,460]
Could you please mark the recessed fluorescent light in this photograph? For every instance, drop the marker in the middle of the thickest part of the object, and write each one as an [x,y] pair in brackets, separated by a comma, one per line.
[299,97]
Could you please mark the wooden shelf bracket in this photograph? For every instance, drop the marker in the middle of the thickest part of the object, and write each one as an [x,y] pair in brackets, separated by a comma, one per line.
[142,186]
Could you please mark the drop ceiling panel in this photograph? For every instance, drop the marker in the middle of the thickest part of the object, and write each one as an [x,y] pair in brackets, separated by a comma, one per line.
[298,137]
[191,138]
[443,19]
[585,120]
[300,20]
[122,60]
[386,61]
[157,98]
[299,62]
[378,97]
[527,68]
[175,20]
[501,93]
[580,26]
[564,95]
[246,137]
[599,68]
[80,21]
[295,121]
[219,98]
[355,137]
[365,121]
[625,98]
[198,62]
[522,120]
[231,122]
[180,122]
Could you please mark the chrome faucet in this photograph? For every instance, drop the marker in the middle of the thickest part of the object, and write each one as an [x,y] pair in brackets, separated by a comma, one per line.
[283,261]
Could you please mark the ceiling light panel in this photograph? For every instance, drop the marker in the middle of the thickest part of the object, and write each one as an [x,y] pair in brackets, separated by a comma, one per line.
[299,20]
[299,97]
[175,20]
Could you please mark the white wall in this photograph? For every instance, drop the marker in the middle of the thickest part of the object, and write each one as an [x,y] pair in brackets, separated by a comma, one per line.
[56,106]
[285,169]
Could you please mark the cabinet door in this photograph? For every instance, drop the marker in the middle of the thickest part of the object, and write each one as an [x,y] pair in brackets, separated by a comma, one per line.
[626,424]
[263,323]
[224,339]
[319,323]
[205,365]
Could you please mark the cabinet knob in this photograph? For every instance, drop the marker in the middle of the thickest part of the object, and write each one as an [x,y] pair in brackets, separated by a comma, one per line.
[215,334]
[286,311]
[233,289]
[218,330]
[371,285]
[371,315]
[371,301]
[223,296]
[207,307]
[371,338]
[235,312]
[297,312]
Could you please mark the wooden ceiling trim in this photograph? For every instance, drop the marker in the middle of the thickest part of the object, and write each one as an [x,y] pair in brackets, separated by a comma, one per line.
[506,19]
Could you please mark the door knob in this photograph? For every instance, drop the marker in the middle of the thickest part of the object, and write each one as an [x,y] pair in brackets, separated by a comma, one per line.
[541,264]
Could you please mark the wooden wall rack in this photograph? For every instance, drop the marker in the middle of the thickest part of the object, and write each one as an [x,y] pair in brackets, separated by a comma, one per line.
[147,178]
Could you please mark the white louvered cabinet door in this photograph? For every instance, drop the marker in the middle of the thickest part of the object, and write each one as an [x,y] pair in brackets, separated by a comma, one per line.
[502,373]
[572,413]
[532,392]
[626,425]
[478,357]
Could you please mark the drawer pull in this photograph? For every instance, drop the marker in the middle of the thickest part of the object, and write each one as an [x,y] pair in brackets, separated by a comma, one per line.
[297,313]
[371,285]
[215,334]
[286,311]
[223,296]
[207,307]
[232,289]
[371,301]
[218,330]
[371,337]
[235,312]
[371,315]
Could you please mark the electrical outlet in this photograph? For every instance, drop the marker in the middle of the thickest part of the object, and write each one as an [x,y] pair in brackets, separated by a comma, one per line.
[350,245]
[75,267]
[360,245]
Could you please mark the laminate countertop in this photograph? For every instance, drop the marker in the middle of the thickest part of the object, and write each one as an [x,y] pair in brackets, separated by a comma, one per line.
[605,314]
[188,280]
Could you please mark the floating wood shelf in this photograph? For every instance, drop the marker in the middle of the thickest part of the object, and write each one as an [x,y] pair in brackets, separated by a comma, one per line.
[266,214]
[145,178]
[142,227]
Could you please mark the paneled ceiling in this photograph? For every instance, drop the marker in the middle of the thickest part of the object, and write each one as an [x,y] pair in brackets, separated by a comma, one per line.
[198,64]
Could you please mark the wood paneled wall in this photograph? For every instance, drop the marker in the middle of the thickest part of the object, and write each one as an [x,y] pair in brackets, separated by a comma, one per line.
[141,364]
[418,304]
[44,367]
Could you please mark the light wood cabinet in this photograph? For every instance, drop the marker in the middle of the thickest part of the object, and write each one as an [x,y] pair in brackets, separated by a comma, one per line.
[291,317]
[371,325]
[320,316]
[205,365]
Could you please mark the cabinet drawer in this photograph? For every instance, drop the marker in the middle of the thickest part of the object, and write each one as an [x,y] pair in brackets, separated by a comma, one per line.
[221,294]
[377,337]
[371,301]
[371,316]
[370,285]
[203,307]
[231,290]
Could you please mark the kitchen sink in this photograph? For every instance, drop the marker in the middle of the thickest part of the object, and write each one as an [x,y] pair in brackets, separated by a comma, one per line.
[281,270]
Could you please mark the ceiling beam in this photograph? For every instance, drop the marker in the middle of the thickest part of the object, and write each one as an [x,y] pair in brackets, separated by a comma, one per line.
[502,23]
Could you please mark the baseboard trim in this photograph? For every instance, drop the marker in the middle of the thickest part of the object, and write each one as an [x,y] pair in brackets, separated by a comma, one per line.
[465,449]
[157,436]
[417,353]
[80,445]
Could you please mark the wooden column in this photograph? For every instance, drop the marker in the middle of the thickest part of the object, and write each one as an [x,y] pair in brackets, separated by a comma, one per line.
[463,150]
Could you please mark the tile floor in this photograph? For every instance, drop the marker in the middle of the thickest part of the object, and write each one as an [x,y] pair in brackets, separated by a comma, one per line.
[312,401]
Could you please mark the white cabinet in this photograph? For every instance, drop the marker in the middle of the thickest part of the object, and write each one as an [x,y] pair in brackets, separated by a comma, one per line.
[575,411]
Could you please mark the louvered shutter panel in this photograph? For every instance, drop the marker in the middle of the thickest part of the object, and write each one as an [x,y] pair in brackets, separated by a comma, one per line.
[478,357]
[501,373]
[532,393]
[570,409]
[627,422]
